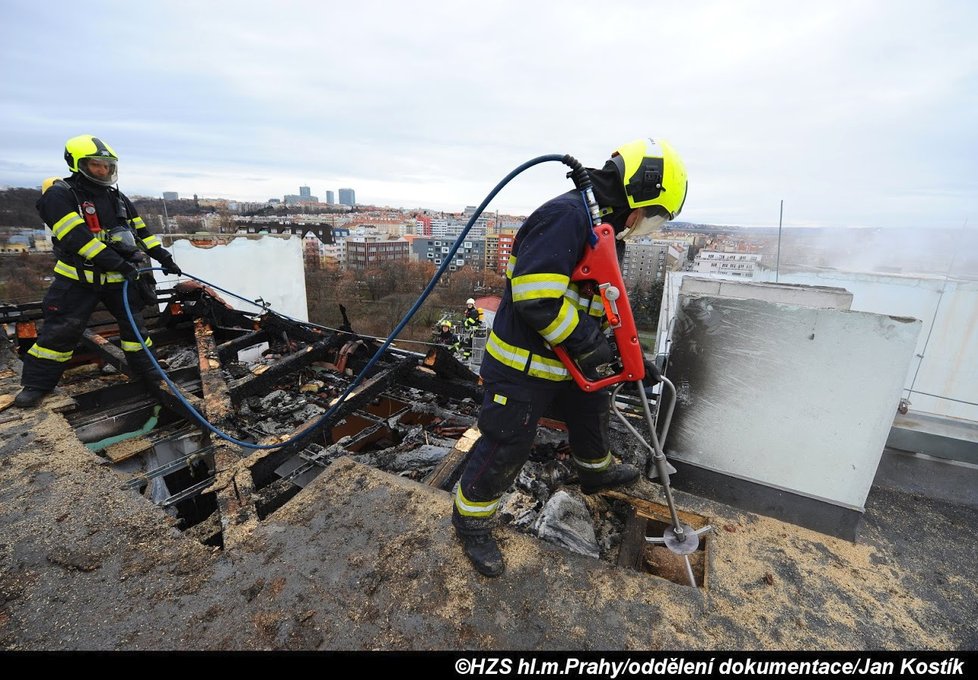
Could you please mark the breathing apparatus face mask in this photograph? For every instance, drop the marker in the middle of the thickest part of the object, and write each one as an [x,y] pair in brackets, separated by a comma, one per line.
[649,221]
[103,171]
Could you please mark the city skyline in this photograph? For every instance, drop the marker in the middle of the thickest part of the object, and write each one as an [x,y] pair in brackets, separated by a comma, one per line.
[853,114]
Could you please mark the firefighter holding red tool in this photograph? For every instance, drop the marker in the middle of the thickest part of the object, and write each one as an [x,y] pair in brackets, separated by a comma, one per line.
[545,306]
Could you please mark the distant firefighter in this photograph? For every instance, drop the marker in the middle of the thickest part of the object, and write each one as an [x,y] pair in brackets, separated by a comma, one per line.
[473,315]
[447,337]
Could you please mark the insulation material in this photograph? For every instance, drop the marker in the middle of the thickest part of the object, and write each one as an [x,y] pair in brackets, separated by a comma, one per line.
[793,397]
[269,268]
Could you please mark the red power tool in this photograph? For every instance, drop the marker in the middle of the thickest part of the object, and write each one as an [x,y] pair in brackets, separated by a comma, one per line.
[600,266]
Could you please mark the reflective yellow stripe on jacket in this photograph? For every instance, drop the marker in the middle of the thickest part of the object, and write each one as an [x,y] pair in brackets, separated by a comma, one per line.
[91,249]
[68,271]
[518,359]
[592,307]
[149,240]
[563,325]
[537,286]
[66,224]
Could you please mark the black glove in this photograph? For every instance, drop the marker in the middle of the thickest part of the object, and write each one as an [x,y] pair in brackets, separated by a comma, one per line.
[129,271]
[652,374]
[170,267]
[596,364]
[146,288]
[589,349]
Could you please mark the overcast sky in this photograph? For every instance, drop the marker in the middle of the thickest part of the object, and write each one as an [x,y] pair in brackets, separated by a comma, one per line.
[854,113]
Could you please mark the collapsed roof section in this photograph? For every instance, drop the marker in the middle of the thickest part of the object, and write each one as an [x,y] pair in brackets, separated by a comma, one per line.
[268,380]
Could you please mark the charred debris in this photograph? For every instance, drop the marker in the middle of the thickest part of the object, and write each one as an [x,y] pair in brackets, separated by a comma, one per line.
[263,379]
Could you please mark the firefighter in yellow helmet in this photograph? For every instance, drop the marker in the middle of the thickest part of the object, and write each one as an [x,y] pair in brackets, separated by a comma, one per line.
[446,336]
[99,240]
[640,187]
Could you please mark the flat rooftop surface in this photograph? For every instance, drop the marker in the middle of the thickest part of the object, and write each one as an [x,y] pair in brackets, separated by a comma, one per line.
[364,560]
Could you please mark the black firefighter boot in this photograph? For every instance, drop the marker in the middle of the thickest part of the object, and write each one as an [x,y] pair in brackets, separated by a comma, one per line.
[475,534]
[30,396]
[612,476]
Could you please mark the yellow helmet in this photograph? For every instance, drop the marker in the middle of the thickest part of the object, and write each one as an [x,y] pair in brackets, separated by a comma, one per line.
[654,178]
[79,150]
[48,183]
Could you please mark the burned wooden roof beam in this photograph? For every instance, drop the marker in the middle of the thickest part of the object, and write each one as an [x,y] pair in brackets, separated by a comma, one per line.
[228,350]
[106,351]
[232,483]
[265,463]
[254,384]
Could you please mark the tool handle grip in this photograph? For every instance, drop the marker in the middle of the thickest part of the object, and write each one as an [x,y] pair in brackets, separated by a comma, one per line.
[600,264]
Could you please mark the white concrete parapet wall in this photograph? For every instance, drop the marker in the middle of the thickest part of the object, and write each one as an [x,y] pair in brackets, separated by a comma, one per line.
[269,267]
[794,397]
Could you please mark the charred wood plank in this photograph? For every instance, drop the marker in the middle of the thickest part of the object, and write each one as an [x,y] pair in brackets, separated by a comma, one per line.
[264,463]
[217,400]
[427,381]
[253,384]
[106,351]
[232,482]
[632,540]
[228,351]
[445,365]
[274,324]
[448,470]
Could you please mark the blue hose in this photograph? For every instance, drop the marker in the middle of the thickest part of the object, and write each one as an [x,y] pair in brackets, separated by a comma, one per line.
[373,360]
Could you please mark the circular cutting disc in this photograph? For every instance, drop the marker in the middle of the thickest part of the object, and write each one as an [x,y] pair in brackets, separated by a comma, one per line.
[685,547]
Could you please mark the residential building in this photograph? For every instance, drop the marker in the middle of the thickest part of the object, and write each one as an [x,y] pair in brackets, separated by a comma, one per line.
[364,252]
[735,263]
[471,253]
[648,260]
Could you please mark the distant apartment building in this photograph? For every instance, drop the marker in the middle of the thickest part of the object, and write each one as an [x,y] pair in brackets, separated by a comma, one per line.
[312,251]
[323,232]
[348,197]
[451,228]
[498,249]
[171,196]
[471,253]
[301,198]
[366,252]
[492,256]
[334,255]
[648,260]
[734,263]
[330,197]
[423,225]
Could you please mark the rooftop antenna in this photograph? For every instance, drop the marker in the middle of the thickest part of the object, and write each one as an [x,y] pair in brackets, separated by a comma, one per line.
[166,218]
[777,267]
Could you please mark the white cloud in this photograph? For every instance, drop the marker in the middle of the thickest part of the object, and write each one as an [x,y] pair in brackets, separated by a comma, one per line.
[856,112]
